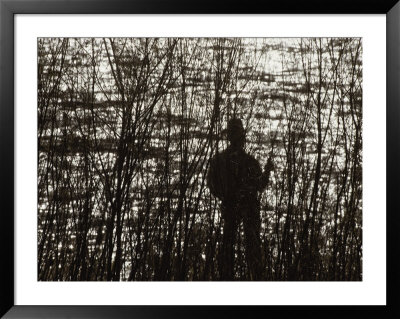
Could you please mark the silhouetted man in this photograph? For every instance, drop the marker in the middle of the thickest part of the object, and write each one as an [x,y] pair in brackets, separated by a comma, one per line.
[236,178]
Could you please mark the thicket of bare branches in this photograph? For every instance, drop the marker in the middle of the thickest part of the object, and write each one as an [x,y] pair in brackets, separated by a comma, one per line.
[126,130]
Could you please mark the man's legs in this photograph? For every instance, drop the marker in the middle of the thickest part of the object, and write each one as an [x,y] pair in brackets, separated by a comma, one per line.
[227,260]
[252,226]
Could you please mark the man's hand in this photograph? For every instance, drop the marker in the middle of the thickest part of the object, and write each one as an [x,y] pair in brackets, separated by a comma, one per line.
[269,166]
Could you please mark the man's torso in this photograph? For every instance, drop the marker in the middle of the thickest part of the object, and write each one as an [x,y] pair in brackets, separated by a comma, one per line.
[235,177]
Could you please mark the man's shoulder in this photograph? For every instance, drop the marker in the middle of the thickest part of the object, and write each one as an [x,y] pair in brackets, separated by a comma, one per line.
[228,153]
[251,159]
[221,155]
[218,158]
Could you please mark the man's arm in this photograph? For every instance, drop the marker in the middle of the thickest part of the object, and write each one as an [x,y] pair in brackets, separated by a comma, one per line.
[212,178]
[263,177]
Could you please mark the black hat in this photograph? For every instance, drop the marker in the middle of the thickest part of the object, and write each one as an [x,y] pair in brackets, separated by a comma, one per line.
[235,129]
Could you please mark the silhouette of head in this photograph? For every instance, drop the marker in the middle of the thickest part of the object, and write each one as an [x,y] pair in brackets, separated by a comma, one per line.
[236,133]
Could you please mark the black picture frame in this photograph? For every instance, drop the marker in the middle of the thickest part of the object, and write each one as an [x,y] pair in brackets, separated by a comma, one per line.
[8,10]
